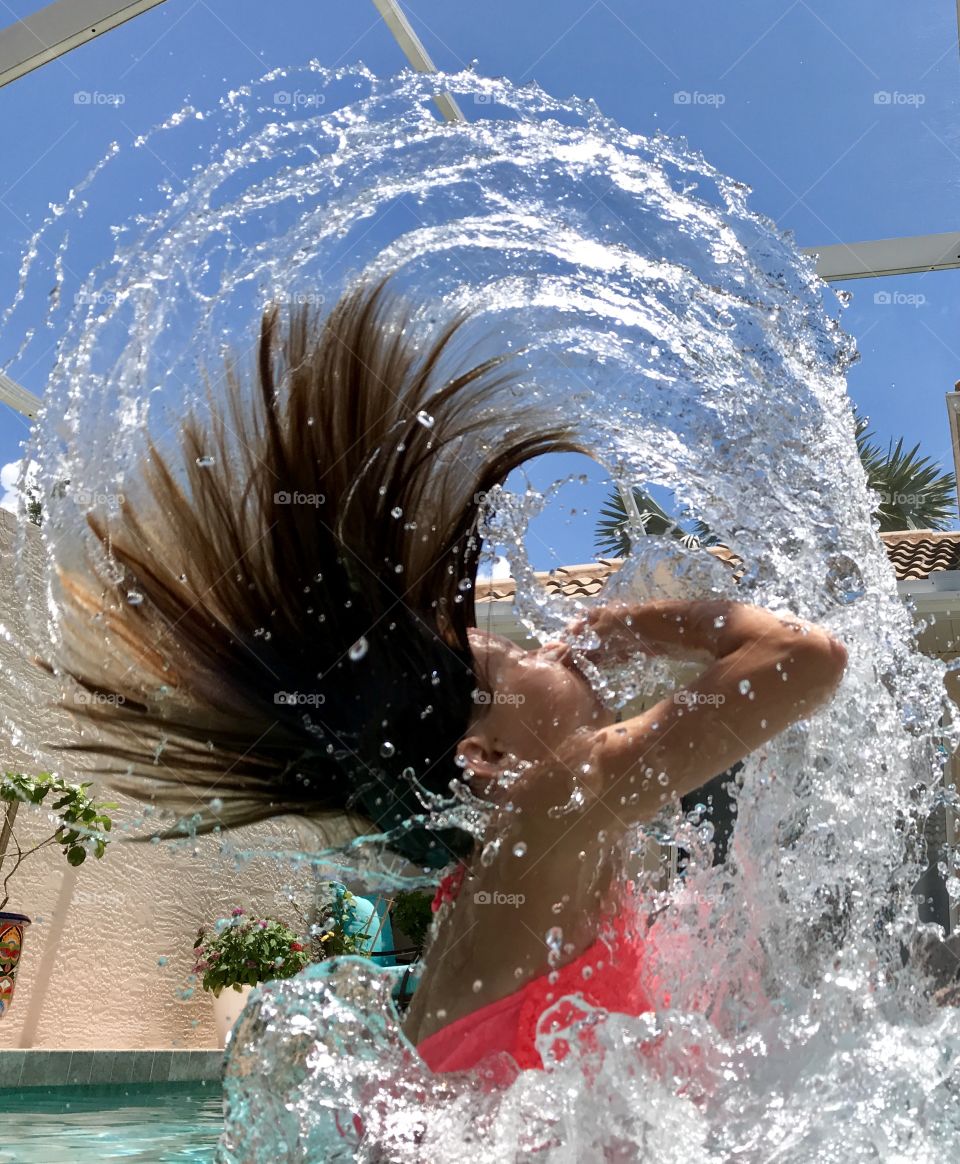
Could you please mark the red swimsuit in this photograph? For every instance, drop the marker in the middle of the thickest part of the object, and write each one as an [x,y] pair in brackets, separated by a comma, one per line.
[607,975]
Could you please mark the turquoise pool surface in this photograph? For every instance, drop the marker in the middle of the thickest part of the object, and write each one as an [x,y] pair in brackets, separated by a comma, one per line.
[74,1125]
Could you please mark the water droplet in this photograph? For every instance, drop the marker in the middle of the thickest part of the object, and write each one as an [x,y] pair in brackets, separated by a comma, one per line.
[206,462]
[663,779]
[134,597]
[477,985]
[519,849]
[396,512]
[488,853]
[359,649]
[744,686]
[425,419]
[387,750]
[844,579]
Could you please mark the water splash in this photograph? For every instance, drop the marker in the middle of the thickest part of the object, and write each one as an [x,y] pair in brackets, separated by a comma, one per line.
[698,352]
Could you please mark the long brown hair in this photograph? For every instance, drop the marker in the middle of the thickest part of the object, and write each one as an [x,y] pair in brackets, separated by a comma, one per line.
[278,618]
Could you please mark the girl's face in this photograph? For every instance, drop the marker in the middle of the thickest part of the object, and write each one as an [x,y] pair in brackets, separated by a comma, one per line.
[533,700]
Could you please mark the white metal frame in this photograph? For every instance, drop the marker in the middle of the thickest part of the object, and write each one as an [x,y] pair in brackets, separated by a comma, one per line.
[57,29]
[18,397]
[415,53]
[888,256]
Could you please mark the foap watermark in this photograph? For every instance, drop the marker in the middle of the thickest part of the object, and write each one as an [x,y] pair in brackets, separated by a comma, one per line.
[899,299]
[307,298]
[699,698]
[299,99]
[686,97]
[484,897]
[92,497]
[299,698]
[903,498]
[487,698]
[87,297]
[895,97]
[282,497]
[98,698]
[487,498]
[91,898]
[95,97]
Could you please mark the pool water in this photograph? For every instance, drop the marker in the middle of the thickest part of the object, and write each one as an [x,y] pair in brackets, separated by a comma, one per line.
[73,1125]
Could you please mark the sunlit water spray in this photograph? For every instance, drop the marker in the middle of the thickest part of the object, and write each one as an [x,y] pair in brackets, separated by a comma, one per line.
[697,351]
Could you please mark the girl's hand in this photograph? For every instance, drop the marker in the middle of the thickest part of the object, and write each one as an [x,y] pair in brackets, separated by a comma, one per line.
[655,629]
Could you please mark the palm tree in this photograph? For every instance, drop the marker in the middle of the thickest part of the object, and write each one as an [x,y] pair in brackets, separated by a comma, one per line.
[913,492]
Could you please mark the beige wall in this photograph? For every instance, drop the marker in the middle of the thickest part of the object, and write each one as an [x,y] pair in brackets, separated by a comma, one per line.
[91,974]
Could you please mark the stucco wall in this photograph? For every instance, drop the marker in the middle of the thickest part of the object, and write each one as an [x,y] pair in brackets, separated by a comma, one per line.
[106,961]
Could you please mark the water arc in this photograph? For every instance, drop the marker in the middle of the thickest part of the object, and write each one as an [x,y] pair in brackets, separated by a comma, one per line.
[697,351]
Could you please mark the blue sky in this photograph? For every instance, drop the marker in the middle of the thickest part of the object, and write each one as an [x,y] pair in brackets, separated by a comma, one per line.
[783,95]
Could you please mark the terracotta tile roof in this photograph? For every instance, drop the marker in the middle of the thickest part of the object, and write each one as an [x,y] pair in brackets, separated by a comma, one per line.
[919,553]
[913,554]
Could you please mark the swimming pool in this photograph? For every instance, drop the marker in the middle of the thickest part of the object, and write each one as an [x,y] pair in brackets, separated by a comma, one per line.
[72,1125]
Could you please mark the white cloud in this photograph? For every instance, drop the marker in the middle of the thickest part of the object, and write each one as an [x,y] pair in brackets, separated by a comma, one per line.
[495,571]
[9,482]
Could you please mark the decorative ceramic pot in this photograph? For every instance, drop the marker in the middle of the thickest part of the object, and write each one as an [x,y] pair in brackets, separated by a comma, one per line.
[227,1006]
[12,927]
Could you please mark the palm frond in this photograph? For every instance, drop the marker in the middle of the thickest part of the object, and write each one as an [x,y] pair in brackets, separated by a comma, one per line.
[914,491]
[613,526]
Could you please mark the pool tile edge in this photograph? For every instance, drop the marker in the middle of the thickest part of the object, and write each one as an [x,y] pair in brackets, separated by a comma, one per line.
[48,1068]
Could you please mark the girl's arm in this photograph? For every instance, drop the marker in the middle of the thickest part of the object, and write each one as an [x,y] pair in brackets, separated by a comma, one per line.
[763,674]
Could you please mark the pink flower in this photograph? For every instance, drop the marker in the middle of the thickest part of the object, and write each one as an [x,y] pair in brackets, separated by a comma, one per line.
[262,925]
[238,912]
[298,946]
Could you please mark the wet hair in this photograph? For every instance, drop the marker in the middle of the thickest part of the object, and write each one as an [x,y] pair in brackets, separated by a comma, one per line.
[277,616]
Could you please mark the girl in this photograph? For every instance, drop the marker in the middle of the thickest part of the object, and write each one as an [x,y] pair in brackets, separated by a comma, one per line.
[286,624]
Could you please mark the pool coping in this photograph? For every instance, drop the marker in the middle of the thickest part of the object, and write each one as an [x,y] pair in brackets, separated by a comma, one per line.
[43,1068]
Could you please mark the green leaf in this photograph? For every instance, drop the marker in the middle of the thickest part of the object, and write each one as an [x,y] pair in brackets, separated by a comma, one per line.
[76,856]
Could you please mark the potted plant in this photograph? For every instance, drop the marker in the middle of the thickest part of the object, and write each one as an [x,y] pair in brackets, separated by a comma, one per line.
[412,915]
[82,825]
[243,951]
[239,953]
